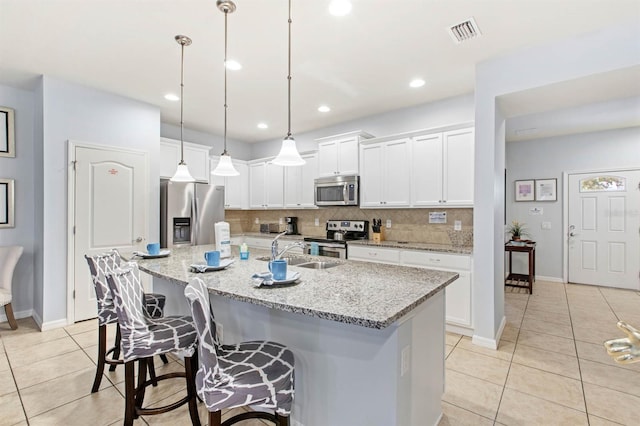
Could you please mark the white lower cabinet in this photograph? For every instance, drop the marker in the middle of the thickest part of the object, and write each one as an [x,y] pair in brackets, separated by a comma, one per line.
[373,254]
[458,294]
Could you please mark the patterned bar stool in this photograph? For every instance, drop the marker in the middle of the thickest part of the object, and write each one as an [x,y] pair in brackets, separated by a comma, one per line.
[256,373]
[154,304]
[144,337]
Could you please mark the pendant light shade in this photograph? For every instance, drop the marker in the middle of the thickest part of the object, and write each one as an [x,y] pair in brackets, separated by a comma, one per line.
[225,166]
[289,155]
[182,172]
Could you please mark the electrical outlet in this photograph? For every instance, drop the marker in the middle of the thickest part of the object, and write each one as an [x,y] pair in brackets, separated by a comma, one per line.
[546,225]
[280,220]
[457,225]
[405,362]
[257,221]
[219,332]
[388,223]
[317,222]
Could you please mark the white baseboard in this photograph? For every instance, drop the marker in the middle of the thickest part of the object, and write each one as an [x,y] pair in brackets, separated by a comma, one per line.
[490,343]
[50,325]
[552,279]
[454,328]
[37,319]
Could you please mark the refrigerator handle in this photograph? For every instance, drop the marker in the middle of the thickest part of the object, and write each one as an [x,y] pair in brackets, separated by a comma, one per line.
[195,223]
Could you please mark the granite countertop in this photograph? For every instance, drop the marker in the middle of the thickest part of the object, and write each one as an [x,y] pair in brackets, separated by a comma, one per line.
[443,248]
[361,293]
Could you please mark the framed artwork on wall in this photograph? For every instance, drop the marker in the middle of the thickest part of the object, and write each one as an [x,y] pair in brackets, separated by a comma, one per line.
[7,138]
[546,190]
[6,203]
[524,190]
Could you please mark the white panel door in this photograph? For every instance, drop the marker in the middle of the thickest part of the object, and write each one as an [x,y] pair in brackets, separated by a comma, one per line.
[604,229]
[111,211]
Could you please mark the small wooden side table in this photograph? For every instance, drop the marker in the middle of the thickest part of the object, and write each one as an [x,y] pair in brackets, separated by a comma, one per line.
[521,280]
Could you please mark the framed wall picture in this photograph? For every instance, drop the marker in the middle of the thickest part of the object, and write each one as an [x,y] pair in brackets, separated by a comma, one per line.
[6,203]
[524,190]
[7,139]
[546,190]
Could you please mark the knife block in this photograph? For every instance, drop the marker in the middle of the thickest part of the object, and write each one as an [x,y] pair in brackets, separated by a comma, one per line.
[378,237]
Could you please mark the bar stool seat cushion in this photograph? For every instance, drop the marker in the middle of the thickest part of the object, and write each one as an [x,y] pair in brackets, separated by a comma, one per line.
[258,373]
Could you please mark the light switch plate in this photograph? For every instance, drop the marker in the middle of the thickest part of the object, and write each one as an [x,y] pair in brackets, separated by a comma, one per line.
[257,220]
[546,225]
[457,225]
[280,220]
[317,222]
[388,223]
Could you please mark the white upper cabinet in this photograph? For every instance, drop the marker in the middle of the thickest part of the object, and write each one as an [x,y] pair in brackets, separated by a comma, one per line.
[442,169]
[458,167]
[338,155]
[196,157]
[236,188]
[385,175]
[266,185]
[298,182]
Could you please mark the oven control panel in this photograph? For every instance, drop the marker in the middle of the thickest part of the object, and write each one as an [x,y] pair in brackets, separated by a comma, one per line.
[348,225]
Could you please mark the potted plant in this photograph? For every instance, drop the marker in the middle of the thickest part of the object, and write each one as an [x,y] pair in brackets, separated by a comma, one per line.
[517,230]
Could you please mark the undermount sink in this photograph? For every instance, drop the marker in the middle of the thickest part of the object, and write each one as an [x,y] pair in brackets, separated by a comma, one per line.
[318,265]
[304,263]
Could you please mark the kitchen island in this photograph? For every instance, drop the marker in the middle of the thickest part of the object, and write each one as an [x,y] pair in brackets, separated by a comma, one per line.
[368,339]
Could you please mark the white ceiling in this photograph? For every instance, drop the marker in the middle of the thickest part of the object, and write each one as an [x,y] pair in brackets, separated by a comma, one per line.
[359,64]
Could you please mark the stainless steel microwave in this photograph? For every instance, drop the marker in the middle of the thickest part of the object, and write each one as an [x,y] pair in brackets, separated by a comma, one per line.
[337,191]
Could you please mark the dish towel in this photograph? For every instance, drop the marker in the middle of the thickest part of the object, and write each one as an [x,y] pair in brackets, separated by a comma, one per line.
[263,278]
[199,267]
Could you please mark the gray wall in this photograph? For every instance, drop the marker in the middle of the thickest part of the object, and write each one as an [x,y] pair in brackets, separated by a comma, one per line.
[549,158]
[21,168]
[440,113]
[576,57]
[73,112]
[238,150]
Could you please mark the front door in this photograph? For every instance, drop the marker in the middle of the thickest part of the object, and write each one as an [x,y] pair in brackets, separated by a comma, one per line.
[111,211]
[604,229]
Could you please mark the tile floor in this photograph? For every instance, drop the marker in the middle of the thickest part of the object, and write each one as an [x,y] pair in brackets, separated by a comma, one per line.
[550,368]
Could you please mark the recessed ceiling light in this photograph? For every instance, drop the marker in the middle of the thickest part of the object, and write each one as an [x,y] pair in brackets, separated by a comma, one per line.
[171,97]
[339,7]
[262,126]
[324,108]
[233,65]
[418,82]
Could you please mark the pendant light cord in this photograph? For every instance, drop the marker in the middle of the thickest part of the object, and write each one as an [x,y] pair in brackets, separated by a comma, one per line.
[182,104]
[226,12]
[289,76]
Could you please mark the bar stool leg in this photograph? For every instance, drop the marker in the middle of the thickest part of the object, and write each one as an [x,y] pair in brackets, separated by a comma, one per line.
[282,420]
[152,371]
[215,418]
[164,359]
[102,349]
[129,394]
[116,347]
[143,366]
[190,367]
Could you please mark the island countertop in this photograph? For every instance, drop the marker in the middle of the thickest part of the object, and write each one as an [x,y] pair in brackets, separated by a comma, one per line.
[361,293]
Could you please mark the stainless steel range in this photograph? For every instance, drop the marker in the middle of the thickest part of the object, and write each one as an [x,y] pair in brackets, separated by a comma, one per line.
[339,232]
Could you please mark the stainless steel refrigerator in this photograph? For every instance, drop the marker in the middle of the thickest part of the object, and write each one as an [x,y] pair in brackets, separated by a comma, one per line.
[188,212]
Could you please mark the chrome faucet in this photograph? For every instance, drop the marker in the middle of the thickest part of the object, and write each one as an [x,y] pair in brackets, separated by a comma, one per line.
[275,254]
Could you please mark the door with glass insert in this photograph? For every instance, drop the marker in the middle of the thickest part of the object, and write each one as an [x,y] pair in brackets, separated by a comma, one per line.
[604,229]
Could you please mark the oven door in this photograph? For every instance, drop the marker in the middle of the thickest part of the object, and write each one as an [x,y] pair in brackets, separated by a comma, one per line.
[338,251]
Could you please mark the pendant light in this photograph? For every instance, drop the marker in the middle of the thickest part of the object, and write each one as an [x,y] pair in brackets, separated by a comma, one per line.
[289,155]
[225,166]
[182,172]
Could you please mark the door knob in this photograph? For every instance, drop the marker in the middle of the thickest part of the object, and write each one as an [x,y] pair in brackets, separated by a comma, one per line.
[139,239]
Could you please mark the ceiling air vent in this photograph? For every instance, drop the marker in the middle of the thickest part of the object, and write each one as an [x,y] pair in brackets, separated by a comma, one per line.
[464,31]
